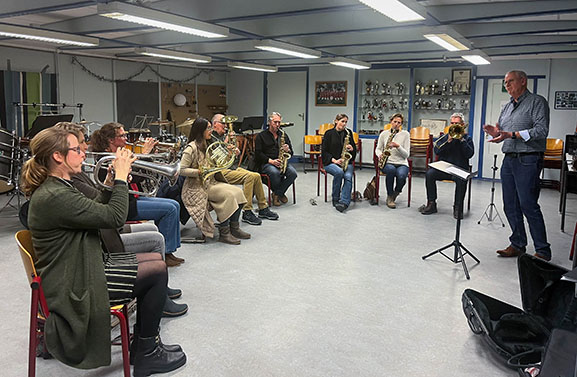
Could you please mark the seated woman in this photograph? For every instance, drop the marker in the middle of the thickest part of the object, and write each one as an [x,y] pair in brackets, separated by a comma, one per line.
[226,200]
[398,144]
[333,154]
[164,212]
[81,281]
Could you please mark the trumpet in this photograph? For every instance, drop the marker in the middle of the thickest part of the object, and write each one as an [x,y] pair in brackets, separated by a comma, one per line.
[456,131]
[152,172]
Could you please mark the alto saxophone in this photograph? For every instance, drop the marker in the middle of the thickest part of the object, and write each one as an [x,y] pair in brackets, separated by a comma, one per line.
[282,155]
[387,151]
[345,155]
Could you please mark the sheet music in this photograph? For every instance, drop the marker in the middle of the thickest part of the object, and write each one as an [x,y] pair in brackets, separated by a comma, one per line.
[458,172]
[450,169]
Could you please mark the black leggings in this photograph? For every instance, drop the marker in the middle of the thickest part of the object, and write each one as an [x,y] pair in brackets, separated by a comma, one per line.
[150,292]
[234,217]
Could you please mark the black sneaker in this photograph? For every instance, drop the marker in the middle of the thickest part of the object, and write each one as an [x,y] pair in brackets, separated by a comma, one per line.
[248,216]
[266,213]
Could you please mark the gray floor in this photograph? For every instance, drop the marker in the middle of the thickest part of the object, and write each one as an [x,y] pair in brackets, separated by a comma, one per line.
[320,293]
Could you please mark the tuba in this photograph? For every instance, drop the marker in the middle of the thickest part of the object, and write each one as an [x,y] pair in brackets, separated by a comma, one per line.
[384,157]
[345,154]
[152,172]
[282,155]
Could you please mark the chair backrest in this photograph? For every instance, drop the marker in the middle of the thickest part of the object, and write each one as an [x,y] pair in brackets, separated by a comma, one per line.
[554,147]
[313,139]
[325,127]
[24,241]
[446,130]
[356,137]
[420,133]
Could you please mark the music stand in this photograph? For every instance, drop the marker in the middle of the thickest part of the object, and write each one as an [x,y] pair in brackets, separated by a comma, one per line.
[458,256]
[46,121]
[252,123]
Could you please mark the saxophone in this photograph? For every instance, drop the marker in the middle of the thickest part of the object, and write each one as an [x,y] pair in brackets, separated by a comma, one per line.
[387,151]
[345,155]
[282,155]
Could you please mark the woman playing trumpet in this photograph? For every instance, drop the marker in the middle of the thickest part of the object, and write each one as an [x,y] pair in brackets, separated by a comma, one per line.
[201,192]
[394,144]
[164,212]
[338,153]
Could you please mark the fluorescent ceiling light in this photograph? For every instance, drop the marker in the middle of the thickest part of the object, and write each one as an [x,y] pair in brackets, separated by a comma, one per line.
[159,19]
[446,41]
[396,9]
[350,63]
[476,59]
[170,54]
[14,31]
[253,67]
[287,49]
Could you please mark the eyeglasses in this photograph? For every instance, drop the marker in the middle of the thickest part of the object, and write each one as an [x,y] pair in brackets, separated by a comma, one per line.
[456,123]
[77,149]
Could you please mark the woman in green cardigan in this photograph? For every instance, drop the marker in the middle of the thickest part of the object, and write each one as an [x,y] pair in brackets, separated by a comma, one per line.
[80,280]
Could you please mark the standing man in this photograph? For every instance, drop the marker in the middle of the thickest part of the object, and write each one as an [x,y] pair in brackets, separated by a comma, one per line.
[267,152]
[456,152]
[250,181]
[523,128]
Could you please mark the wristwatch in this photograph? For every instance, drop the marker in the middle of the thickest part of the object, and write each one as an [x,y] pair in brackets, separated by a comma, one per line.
[513,136]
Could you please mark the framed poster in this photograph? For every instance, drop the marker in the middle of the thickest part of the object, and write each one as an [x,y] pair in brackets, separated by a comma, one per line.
[330,93]
[462,80]
[435,126]
[565,100]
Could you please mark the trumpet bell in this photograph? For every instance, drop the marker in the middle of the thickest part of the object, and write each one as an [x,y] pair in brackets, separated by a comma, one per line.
[229,119]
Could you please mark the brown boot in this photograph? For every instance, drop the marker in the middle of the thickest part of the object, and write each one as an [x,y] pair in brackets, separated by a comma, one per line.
[429,209]
[237,232]
[391,202]
[172,261]
[226,237]
[276,200]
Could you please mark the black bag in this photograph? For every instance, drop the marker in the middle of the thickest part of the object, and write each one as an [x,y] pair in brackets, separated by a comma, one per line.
[520,335]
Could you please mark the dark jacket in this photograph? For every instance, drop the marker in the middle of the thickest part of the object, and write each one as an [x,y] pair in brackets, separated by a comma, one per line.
[457,152]
[265,147]
[64,225]
[333,145]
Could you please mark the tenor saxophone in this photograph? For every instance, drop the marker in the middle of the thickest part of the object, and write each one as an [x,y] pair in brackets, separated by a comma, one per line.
[387,151]
[345,154]
[282,155]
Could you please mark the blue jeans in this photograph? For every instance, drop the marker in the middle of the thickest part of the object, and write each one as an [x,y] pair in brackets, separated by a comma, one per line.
[165,213]
[342,195]
[395,171]
[520,184]
[280,183]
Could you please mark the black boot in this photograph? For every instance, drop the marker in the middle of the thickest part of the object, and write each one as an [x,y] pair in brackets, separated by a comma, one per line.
[151,358]
[429,209]
[134,344]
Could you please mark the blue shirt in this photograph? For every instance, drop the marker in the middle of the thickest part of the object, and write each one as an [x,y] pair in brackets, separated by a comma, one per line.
[529,116]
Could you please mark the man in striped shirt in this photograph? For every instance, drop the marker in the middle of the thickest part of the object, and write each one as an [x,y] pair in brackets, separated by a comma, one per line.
[522,128]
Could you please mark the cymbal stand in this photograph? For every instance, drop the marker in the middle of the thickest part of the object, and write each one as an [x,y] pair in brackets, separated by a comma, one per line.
[492,207]
[17,165]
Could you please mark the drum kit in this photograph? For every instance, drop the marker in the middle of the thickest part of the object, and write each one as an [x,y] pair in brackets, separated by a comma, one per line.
[13,153]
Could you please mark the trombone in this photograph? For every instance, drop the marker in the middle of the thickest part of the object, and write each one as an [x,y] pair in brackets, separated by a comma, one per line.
[456,131]
[151,172]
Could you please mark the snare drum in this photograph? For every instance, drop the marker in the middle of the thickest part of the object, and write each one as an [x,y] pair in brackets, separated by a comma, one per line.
[8,151]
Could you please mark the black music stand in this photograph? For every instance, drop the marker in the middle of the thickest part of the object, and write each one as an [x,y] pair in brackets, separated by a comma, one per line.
[46,121]
[458,256]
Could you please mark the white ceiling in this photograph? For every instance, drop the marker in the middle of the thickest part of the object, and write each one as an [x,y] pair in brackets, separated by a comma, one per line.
[347,28]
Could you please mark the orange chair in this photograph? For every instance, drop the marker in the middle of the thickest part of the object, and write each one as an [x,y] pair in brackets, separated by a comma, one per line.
[359,144]
[314,143]
[324,128]
[378,174]
[421,144]
[553,160]
[39,310]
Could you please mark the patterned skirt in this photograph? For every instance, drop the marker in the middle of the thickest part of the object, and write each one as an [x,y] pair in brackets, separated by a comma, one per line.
[120,270]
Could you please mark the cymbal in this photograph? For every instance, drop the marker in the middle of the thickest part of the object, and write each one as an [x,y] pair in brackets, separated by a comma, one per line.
[161,123]
[186,123]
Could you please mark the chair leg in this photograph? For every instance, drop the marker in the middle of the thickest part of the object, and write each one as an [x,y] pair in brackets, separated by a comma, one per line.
[125,338]
[410,184]
[33,341]
[469,197]
[326,200]
[377,185]
[294,194]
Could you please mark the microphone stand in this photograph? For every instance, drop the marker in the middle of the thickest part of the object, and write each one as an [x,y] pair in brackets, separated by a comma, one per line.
[492,207]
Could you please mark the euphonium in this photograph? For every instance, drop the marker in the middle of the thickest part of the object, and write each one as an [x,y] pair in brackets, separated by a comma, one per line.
[456,131]
[384,157]
[345,155]
[282,155]
[151,171]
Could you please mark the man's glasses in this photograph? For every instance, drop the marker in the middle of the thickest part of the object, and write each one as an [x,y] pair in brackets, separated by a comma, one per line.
[77,149]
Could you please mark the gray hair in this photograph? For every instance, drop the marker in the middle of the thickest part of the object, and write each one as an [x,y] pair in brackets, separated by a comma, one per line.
[274,113]
[519,74]
[458,115]
[215,117]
